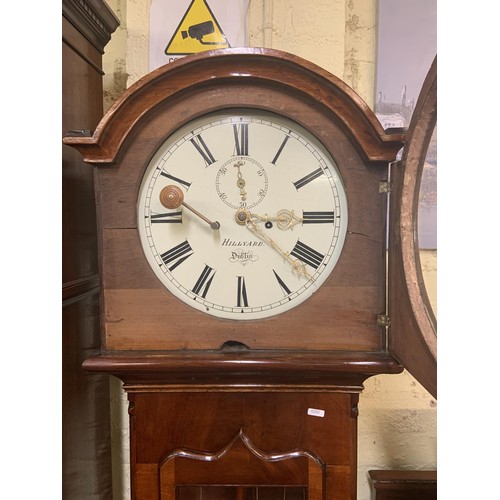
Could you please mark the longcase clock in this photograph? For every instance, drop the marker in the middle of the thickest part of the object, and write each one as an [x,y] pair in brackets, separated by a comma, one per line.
[242,207]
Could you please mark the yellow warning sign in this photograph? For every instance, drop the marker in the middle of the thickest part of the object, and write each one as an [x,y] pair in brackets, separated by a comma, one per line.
[198,31]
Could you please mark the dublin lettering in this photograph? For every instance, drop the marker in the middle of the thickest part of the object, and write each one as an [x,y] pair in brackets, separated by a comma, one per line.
[243,256]
[227,242]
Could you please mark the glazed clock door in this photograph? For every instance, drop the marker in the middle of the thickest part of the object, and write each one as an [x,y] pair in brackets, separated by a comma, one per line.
[412,334]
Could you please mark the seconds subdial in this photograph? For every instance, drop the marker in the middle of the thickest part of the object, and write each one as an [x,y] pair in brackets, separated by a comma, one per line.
[241,182]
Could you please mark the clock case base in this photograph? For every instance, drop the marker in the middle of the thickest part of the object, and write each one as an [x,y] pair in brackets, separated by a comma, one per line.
[243,424]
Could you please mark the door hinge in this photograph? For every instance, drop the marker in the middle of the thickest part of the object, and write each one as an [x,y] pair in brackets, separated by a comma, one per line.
[383,320]
[384,187]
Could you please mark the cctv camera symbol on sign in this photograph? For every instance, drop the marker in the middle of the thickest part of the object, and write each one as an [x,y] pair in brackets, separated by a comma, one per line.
[198,31]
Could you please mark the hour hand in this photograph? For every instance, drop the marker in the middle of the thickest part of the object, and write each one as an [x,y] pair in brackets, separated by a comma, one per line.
[284,218]
[172,197]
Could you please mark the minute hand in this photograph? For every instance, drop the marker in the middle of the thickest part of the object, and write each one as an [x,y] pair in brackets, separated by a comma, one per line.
[297,266]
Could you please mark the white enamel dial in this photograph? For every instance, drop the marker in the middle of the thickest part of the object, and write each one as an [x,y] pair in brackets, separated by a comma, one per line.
[263,216]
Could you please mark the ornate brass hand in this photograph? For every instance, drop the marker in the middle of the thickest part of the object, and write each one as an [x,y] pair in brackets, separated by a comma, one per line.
[285,219]
[248,219]
[241,182]
[172,197]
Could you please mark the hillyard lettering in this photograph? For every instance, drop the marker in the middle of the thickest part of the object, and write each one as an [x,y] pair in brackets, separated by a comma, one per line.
[227,242]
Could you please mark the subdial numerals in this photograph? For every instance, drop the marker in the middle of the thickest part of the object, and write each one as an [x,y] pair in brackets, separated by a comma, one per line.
[241,182]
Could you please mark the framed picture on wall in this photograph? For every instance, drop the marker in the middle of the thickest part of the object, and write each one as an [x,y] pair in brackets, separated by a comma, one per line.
[406,47]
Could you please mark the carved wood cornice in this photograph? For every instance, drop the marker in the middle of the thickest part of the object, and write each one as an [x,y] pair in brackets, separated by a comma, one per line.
[93,19]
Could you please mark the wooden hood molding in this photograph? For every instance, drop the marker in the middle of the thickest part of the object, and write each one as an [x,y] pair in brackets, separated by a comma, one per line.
[268,68]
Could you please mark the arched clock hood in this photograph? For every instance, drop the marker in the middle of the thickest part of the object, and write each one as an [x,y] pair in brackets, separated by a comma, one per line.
[263,68]
[259,78]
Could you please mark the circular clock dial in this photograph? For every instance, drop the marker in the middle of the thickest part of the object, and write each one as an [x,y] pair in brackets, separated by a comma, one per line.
[242,214]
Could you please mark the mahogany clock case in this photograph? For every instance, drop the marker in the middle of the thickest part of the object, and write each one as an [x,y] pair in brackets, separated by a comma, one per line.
[224,407]
[138,313]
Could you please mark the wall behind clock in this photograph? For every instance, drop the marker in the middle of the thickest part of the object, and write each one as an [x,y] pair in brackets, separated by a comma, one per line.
[397,422]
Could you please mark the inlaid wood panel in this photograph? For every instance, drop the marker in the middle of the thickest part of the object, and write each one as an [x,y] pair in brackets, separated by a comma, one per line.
[252,439]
